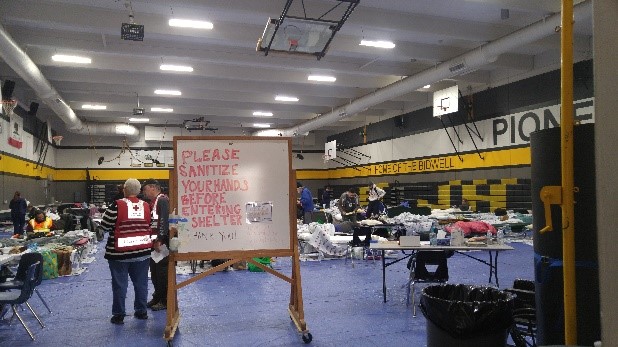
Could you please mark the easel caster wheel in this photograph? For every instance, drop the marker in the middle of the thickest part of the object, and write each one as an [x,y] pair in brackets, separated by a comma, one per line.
[307,338]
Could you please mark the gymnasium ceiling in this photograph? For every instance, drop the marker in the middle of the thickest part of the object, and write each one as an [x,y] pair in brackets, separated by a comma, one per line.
[231,80]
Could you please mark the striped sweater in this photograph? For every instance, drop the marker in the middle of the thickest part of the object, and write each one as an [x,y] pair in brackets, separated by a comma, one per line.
[108,223]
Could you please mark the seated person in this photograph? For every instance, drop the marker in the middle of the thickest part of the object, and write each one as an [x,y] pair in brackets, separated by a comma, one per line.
[40,225]
[348,204]
[465,205]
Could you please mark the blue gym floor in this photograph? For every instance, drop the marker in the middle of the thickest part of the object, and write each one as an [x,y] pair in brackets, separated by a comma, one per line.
[343,306]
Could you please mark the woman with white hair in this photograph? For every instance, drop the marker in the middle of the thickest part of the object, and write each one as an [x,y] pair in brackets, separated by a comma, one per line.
[128,250]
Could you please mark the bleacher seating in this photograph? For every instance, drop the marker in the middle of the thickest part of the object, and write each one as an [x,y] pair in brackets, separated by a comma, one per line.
[484,195]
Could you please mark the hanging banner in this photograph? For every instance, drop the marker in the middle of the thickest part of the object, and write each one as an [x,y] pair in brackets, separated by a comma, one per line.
[15,131]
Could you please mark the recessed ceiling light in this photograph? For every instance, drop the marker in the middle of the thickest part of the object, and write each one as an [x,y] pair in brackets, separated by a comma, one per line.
[378,44]
[188,23]
[426,86]
[167,92]
[263,114]
[261,125]
[71,59]
[320,78]
[161,109]
[139,120]
[94,107]
[286,98]
[181,68]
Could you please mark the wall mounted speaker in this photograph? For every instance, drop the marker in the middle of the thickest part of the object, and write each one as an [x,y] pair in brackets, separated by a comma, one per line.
[7,90]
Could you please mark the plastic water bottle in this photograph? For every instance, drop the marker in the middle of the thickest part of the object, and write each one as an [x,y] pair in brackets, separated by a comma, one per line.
[433,238]
[489,238]
[500,236]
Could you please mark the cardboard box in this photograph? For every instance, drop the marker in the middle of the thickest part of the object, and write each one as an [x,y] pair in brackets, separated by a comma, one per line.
[457,237]
[411,240]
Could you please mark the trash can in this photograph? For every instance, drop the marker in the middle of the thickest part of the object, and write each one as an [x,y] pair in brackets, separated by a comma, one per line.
[466,316]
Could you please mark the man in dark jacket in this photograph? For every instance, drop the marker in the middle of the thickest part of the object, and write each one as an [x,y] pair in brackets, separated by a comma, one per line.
[348,204]
[160,211]
[18,207]
[327,196]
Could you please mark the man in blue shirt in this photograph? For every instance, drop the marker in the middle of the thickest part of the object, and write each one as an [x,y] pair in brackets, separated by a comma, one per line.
[306,202]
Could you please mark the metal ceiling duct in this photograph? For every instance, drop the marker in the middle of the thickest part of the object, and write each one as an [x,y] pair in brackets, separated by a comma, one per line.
[21,63]
[461,64]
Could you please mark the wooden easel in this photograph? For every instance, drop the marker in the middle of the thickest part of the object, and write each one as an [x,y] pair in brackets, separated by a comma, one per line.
[295,309]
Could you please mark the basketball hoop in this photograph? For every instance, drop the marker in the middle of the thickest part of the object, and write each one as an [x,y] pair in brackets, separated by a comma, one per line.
[8,106]
[293,44]
[57,139]
[294,35]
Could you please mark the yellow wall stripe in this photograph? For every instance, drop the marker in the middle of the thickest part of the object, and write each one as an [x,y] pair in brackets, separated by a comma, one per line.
[471,161]
[20,167]
[111,175]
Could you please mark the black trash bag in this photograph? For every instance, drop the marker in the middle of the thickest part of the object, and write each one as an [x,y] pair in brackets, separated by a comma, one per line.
[465,311]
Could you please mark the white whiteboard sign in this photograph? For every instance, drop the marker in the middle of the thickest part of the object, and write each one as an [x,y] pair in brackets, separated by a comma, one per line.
[235,193]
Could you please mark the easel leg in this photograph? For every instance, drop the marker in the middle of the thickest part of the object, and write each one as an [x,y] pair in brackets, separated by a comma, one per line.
[296,309]
[383,277]
[173,315]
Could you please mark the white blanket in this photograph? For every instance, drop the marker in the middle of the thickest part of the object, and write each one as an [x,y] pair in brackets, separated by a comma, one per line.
[319,236]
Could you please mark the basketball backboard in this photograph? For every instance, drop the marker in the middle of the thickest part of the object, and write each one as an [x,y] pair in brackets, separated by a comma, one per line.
[446,101]
[301,34]
[296,35]
[330,149]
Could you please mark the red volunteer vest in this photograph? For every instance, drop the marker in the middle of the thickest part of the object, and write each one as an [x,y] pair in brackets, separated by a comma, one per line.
[132,230]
